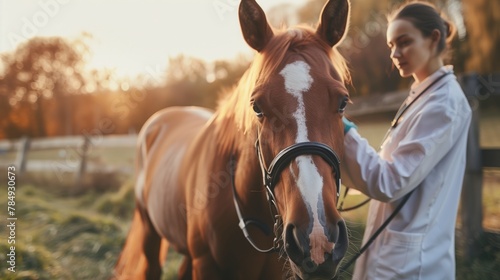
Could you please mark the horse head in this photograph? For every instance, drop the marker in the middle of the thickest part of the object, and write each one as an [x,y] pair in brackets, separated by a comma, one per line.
[298,98]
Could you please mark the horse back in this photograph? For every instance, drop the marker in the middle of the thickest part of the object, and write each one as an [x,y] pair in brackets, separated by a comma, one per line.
[162,146]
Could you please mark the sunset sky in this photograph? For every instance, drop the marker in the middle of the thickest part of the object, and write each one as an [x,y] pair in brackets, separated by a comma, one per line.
[132,36]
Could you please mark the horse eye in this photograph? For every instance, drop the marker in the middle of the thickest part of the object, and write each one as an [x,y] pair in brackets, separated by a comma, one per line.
[343,104]
[257,111]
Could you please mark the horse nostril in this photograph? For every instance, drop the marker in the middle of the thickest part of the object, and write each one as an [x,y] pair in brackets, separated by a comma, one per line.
[309,265]
[292,245]
[342,242]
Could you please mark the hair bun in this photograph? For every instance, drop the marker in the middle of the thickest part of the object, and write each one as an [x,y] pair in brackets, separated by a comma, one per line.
[450,30]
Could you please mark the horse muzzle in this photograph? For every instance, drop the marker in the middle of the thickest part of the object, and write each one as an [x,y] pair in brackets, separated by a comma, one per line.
[313,259]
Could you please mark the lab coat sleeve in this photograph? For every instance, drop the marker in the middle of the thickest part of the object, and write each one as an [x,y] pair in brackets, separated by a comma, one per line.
[431,135]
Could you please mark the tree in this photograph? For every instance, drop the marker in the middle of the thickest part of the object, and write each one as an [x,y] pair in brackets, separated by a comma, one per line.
[282,15]
[482,22]
[40,69]
[192,81]
[309,13]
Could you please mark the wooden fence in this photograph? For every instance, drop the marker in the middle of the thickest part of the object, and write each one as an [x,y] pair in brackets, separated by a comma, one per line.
[477,88]
[78,146]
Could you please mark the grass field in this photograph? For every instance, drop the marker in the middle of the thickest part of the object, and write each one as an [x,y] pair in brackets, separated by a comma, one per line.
[62,234]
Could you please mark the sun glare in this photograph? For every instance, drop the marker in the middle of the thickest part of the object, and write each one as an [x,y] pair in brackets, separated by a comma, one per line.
[131,37]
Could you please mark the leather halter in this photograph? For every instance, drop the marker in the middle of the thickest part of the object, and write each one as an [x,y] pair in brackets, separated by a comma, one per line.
[272,174]
[271,177]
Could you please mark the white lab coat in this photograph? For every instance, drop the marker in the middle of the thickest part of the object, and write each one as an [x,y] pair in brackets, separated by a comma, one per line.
[426,151]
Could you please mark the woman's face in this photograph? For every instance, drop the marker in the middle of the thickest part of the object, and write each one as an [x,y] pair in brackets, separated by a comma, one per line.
[411,52]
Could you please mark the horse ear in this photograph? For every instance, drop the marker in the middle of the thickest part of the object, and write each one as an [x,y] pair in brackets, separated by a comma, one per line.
[333,22]
[254,26]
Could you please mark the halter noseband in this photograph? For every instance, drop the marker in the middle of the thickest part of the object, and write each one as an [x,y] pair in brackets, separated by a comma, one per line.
[271,177]
[284,158]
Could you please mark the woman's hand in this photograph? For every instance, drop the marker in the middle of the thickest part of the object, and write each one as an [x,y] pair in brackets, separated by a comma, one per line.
[347,125]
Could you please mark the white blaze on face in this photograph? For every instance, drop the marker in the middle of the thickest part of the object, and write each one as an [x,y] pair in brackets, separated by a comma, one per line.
[297,82]
[310,183]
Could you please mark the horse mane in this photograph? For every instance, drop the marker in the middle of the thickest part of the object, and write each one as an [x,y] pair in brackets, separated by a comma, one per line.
[234,112]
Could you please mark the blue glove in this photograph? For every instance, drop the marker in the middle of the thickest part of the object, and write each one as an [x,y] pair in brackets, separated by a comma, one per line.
[347,125]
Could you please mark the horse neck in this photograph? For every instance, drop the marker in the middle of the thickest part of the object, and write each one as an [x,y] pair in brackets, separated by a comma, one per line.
[235,144]
[232,141]
[232,120]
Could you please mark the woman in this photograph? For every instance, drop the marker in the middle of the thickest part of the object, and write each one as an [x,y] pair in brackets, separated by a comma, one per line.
[424,152]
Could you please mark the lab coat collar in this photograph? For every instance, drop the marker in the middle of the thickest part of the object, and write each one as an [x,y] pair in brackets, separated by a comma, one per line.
[417,88]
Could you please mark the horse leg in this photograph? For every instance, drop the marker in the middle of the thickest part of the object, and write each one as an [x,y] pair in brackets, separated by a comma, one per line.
[186,269]
[163,251]
[205,268]
[140,257]
[151,246]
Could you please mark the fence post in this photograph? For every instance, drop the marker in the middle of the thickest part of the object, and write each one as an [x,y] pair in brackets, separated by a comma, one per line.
[22,154]
[83,163]
[471,198]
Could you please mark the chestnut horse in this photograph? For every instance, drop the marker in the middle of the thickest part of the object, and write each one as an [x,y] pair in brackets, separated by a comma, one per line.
[271,146]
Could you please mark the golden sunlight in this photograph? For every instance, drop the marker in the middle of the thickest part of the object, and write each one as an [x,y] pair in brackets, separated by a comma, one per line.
[131,37]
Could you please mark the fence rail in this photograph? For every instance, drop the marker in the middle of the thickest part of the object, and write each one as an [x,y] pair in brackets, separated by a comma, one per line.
[69,142]
[79,164]
[490,158]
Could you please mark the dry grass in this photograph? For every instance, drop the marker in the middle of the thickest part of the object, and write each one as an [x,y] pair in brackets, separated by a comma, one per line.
[58,238]
[491,199]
